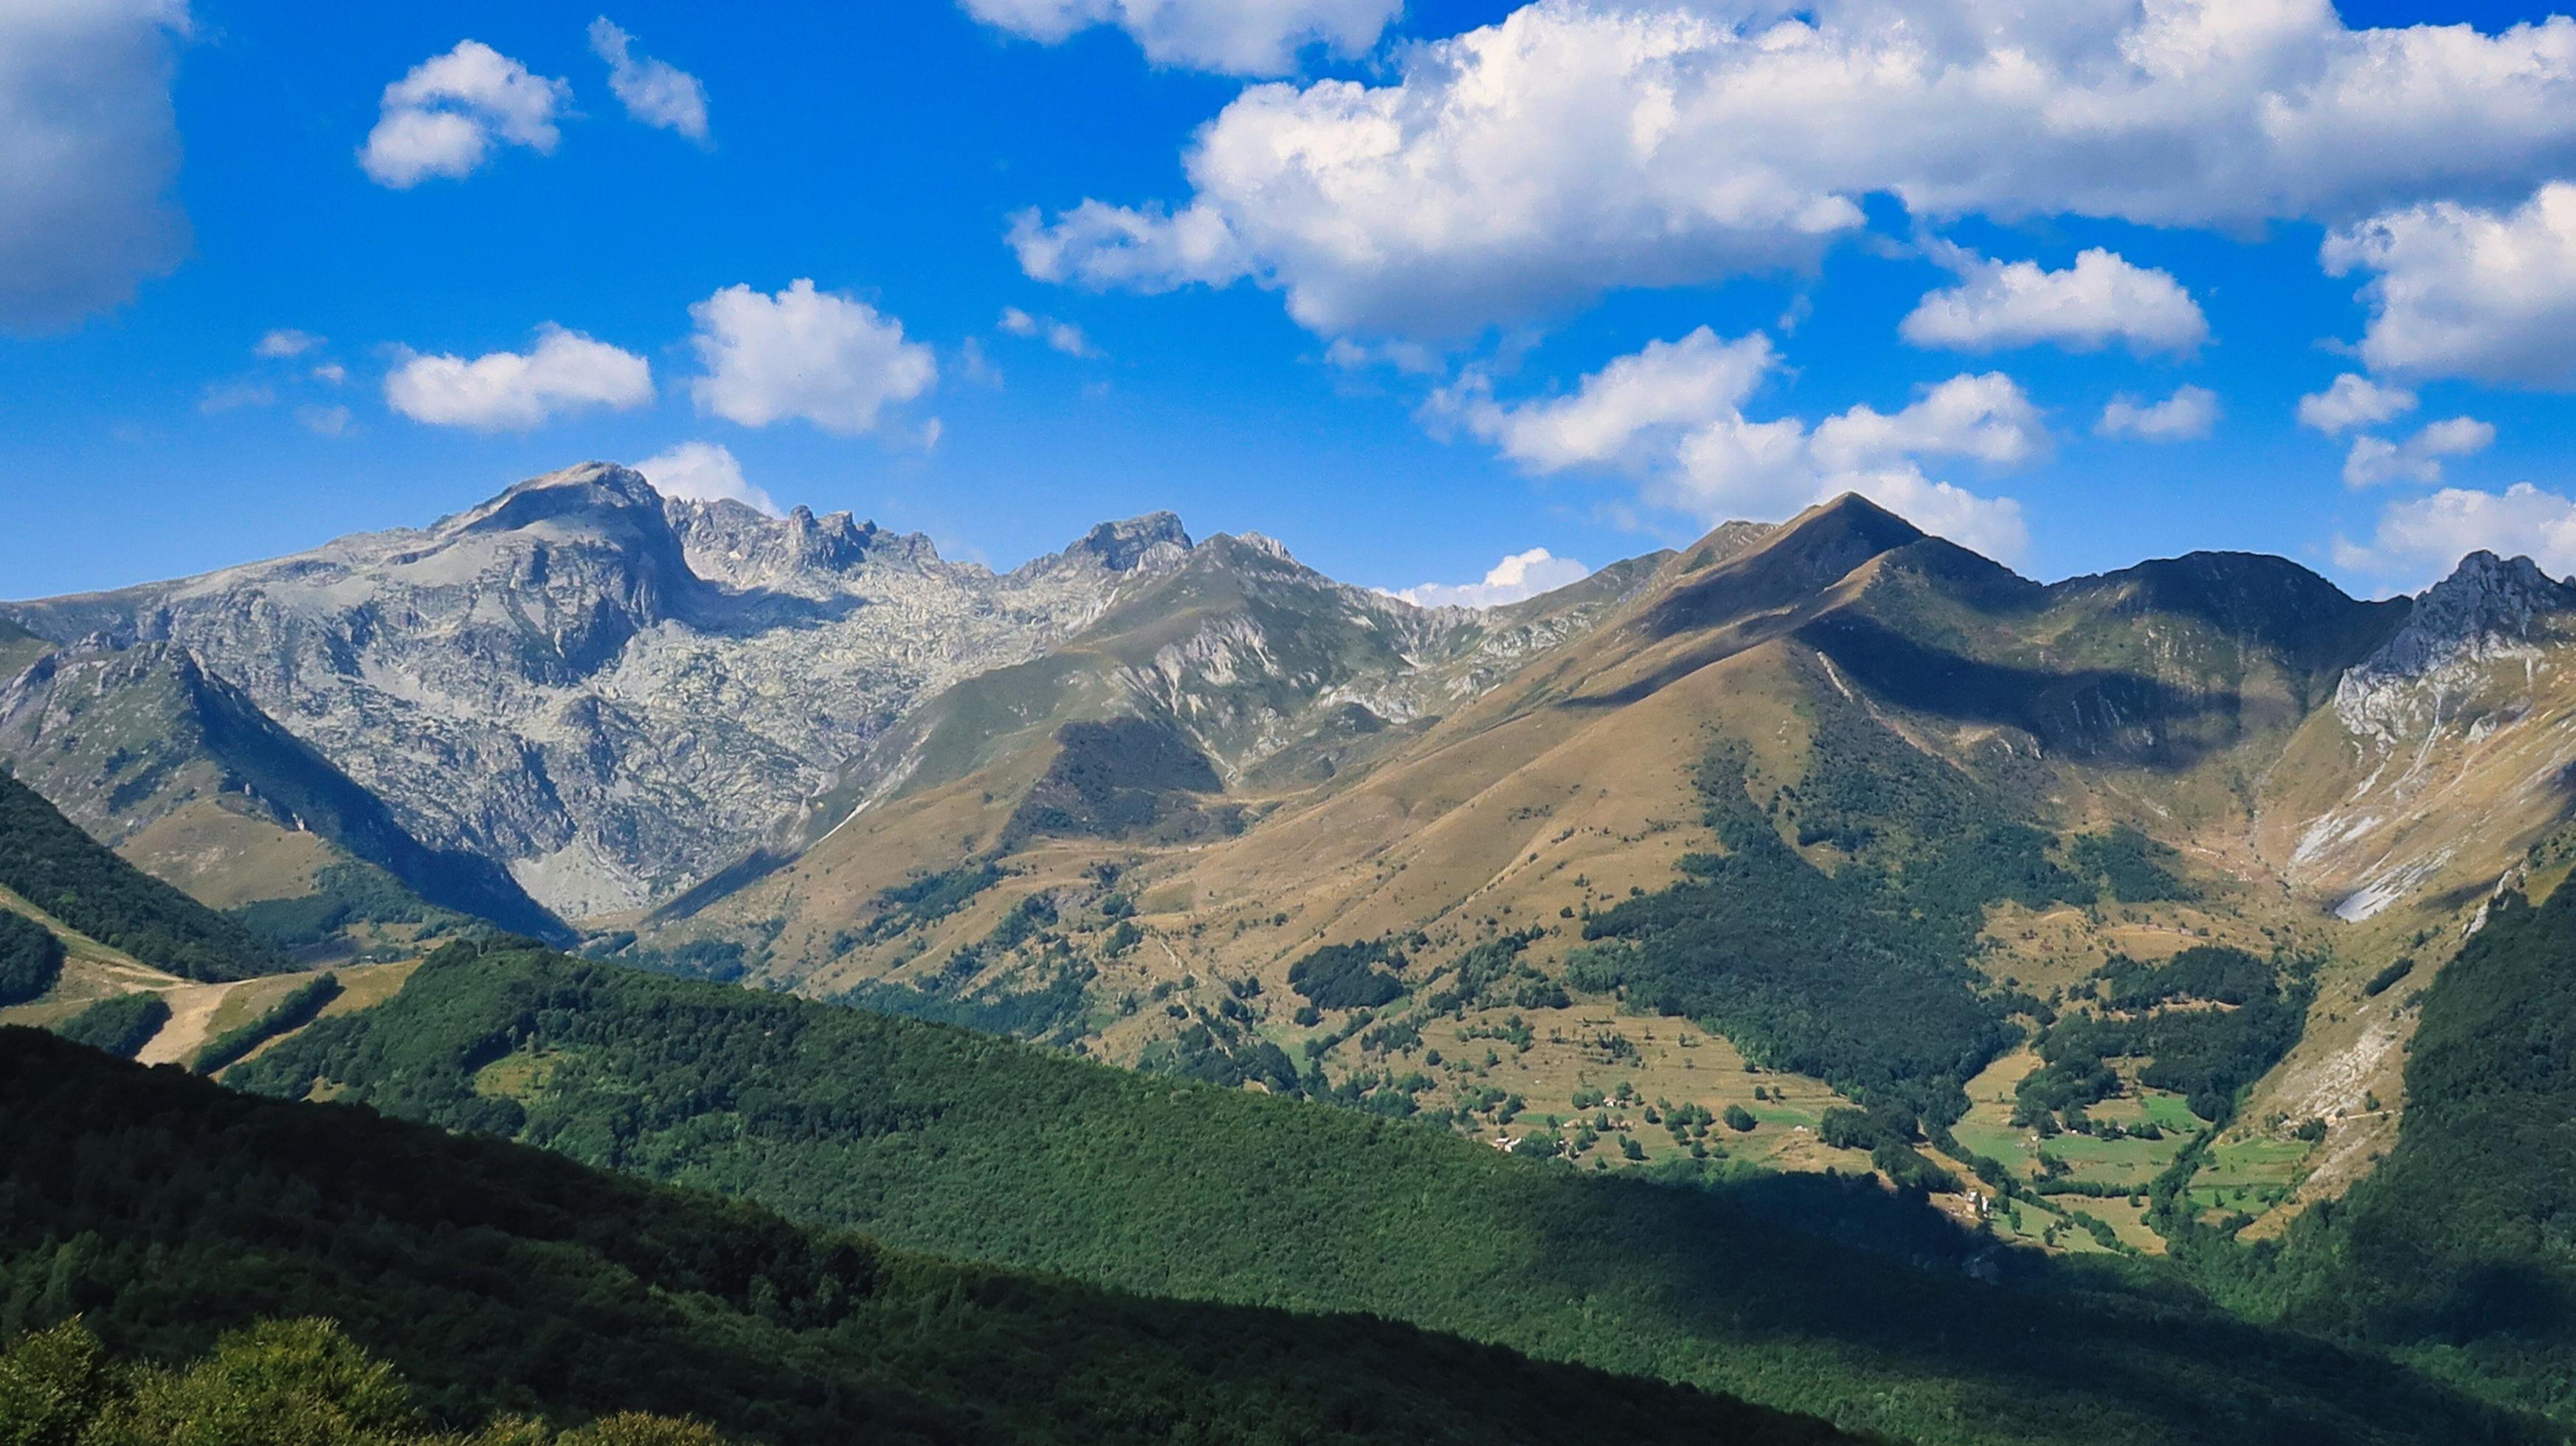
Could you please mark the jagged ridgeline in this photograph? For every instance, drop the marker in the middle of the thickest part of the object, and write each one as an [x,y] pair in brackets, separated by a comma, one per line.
[170,1217]
[969,1145]
[599,695]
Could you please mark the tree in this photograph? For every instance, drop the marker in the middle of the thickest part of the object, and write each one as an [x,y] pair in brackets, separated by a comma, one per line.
[31,959]
[1740,1119]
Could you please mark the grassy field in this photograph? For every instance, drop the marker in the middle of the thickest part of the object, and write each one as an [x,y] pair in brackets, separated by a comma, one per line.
[1593,1048]
[2249,1175]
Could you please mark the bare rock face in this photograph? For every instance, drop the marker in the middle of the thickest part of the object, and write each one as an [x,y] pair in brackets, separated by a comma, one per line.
[2472,644]
[2456,731]
[609,692]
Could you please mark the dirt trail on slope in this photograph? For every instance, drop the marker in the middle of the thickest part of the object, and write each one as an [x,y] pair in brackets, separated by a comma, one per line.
[192,1015]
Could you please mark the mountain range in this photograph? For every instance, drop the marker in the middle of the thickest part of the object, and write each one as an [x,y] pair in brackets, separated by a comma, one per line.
[2158,923]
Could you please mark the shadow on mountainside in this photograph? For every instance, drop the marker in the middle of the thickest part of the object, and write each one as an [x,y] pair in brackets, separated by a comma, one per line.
[2094,713]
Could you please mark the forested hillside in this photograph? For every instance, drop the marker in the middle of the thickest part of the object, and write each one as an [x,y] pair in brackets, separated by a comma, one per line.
[47,860]
[968,1145]
[164,1212]
[2458,1250]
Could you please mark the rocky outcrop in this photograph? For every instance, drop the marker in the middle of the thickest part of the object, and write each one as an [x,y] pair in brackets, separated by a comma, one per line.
[2454,736]
[2486,624]
[609,692]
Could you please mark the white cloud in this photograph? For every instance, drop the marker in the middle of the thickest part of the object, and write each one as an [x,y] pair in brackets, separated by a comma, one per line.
[2465,292]
[443,118]
[1672,415]
[331,372]
[2354,401]
[1239,37]
[2374,460]
[1633,409]
[2423,538]
[804,354]
[1985,417]
[703,472]
[323,421]
[653,91]
[2188,414]
[2102,298]
[89,148]
[1405,356]
[285,341]
[1063,336]
[1579,146]
[513,391]
[1521,575]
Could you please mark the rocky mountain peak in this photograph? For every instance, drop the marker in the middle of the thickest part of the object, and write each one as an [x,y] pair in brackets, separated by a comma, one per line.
[1153,541]
[2469,650]
[2488,605]
[743,547]
[593,494]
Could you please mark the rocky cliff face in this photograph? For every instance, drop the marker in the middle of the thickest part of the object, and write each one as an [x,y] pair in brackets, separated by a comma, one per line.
[609,692]
[2448,745]
[2471,644]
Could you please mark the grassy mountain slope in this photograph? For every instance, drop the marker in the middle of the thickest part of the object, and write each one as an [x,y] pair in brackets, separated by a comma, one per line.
[46,860]
[183,774]
[163,1211]
[2150,719]
[971,1145]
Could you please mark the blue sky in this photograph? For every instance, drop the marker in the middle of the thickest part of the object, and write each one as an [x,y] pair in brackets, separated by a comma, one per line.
[1357,275]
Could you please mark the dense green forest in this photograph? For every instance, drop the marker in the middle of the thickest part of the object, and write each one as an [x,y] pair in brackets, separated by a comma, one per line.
[47,860]
[276,1383]
[2208,1056]
[120,1024]
[345,894]
[968,1145]
[1859,975]
[2460,1249]
[31,958]
[165,1213]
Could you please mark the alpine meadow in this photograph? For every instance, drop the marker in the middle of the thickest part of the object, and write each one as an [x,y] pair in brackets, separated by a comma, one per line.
[725,727]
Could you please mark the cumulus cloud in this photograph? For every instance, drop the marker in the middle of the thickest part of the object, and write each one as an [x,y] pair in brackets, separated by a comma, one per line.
[1673,415]
[89,148]
[2422,539]
[2461,291]
[1521,575]
[1633,410]
[2188,414]
[443,118]
[653,91]
[2353,401]
[1238,37]
[1063,336]
[2101,299]
[703,472]
[1579,146]
[513,391]
[804,354]
[2374,460]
